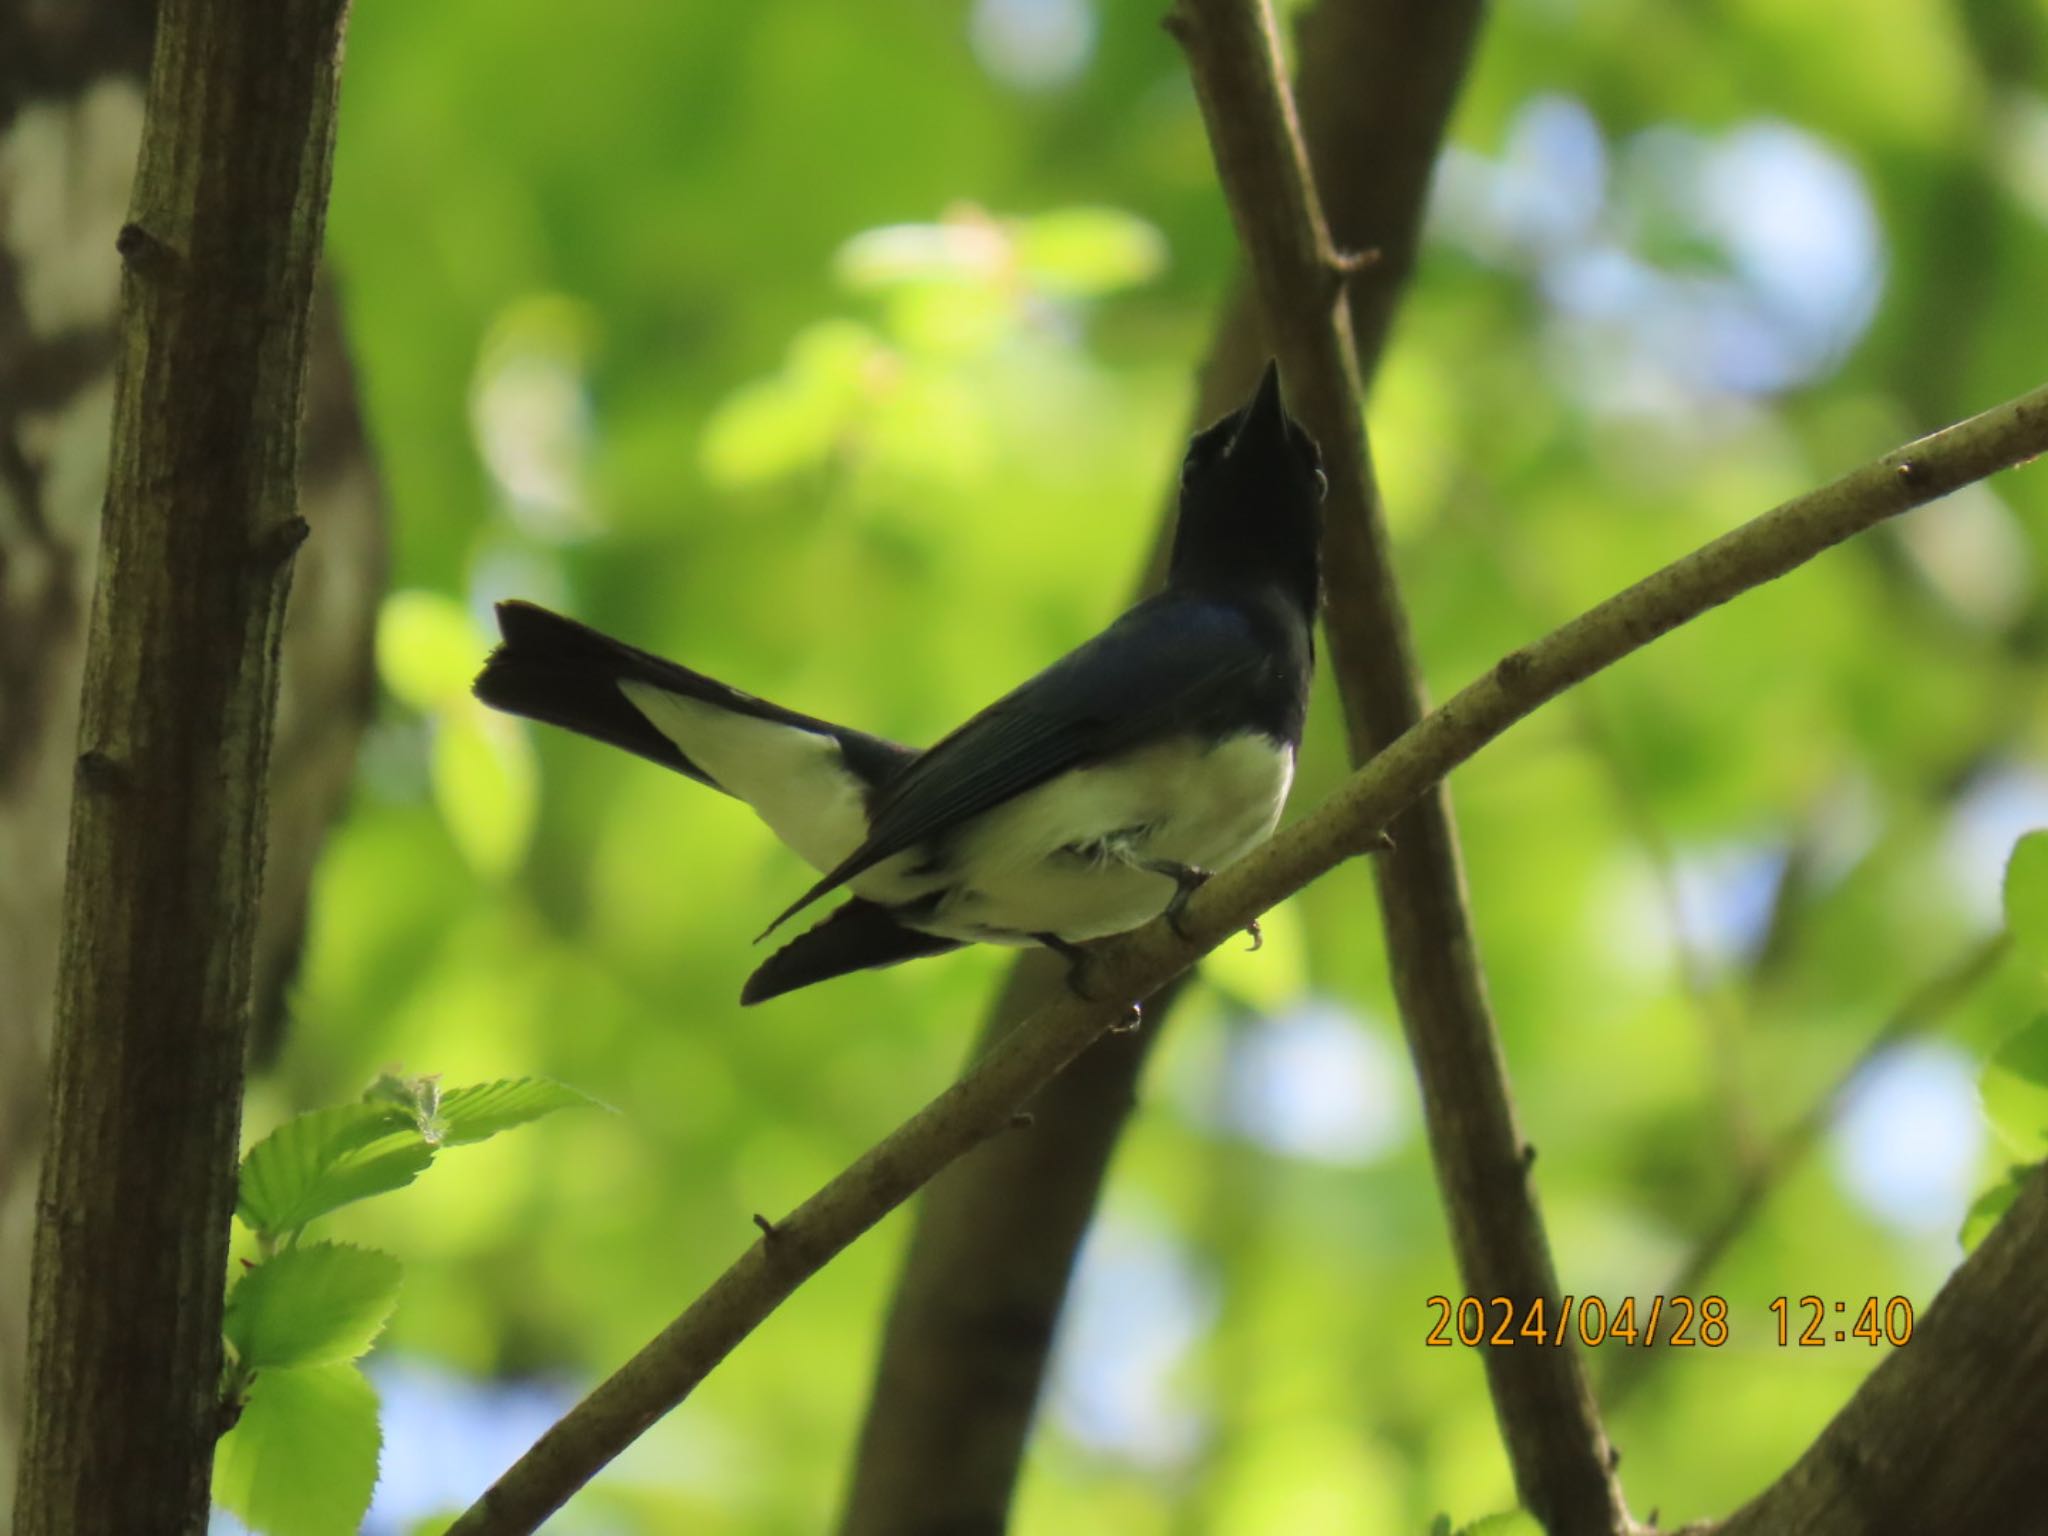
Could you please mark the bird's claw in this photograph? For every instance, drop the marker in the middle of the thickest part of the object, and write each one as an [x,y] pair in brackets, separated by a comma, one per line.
[1076,958]
[1187,879]
[1077,963]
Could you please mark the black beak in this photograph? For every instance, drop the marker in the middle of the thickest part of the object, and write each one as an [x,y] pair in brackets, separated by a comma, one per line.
[1265,419]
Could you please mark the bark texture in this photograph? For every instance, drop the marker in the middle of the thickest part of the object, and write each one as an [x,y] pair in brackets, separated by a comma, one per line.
[165,859]
[1946,1433]
[71,90]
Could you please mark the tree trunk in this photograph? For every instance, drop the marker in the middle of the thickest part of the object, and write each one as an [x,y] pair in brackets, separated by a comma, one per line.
[71,88]
[166,848]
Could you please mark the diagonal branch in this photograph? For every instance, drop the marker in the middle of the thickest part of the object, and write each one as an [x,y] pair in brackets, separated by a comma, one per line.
[1563,1465]
[1349,823]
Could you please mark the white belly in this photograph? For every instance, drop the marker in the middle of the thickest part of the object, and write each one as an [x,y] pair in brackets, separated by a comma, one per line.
[1016,872]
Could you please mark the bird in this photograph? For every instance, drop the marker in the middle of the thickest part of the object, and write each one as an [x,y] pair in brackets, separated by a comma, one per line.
[1087,801]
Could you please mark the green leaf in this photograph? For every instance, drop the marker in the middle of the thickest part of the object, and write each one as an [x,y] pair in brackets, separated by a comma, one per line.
[793,421]
[1086,251]
[1986,1210]
[484,1109]
[311,1305]
[968,247]
[320,1161]
[2026,896]
[485,786]
[2015,1091]
[419,1097]
[302,1458]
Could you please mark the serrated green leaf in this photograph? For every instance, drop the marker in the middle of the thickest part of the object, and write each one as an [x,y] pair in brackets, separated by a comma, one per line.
[484,1109]
[317,1162]
[2015,1091]
[2026,896]
[1987,1209]
[419,1097]
[311,1305]
[302,1458]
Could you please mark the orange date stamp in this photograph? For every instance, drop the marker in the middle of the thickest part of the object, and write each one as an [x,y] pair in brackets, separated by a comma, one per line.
[1887,1321]
[1678,1322]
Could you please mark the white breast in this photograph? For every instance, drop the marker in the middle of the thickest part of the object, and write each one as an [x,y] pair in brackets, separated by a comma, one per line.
[1017,871]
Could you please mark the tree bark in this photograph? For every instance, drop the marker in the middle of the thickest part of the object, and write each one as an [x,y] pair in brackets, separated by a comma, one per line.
[166,845]
[1946,1433]
[71,90]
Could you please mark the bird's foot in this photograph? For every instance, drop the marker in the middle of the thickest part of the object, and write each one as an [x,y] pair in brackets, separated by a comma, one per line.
[1188,879]
[1077,963]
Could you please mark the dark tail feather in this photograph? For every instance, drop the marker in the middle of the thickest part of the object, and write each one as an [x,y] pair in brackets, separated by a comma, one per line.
[860,936]
[553,669]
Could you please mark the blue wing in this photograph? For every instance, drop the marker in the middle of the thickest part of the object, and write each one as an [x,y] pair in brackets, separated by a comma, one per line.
[1173,664]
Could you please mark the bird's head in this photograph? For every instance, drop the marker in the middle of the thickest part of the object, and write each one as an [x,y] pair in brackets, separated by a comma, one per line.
[1251,492]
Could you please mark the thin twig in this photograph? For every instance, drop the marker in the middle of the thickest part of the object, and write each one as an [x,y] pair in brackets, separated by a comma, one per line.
[1563,1464]
[982,1103]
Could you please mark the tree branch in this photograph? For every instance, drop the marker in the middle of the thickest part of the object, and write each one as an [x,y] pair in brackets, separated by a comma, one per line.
[1559,1451]
[986,1272]
[982,1103]
[166,848]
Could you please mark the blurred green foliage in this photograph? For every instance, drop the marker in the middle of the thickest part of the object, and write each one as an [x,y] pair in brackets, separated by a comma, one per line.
[841,357]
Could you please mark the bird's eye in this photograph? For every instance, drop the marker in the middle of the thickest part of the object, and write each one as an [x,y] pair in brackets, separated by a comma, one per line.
[1322,483]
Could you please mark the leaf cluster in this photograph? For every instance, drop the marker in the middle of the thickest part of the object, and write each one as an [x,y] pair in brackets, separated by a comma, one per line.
[299,1455]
